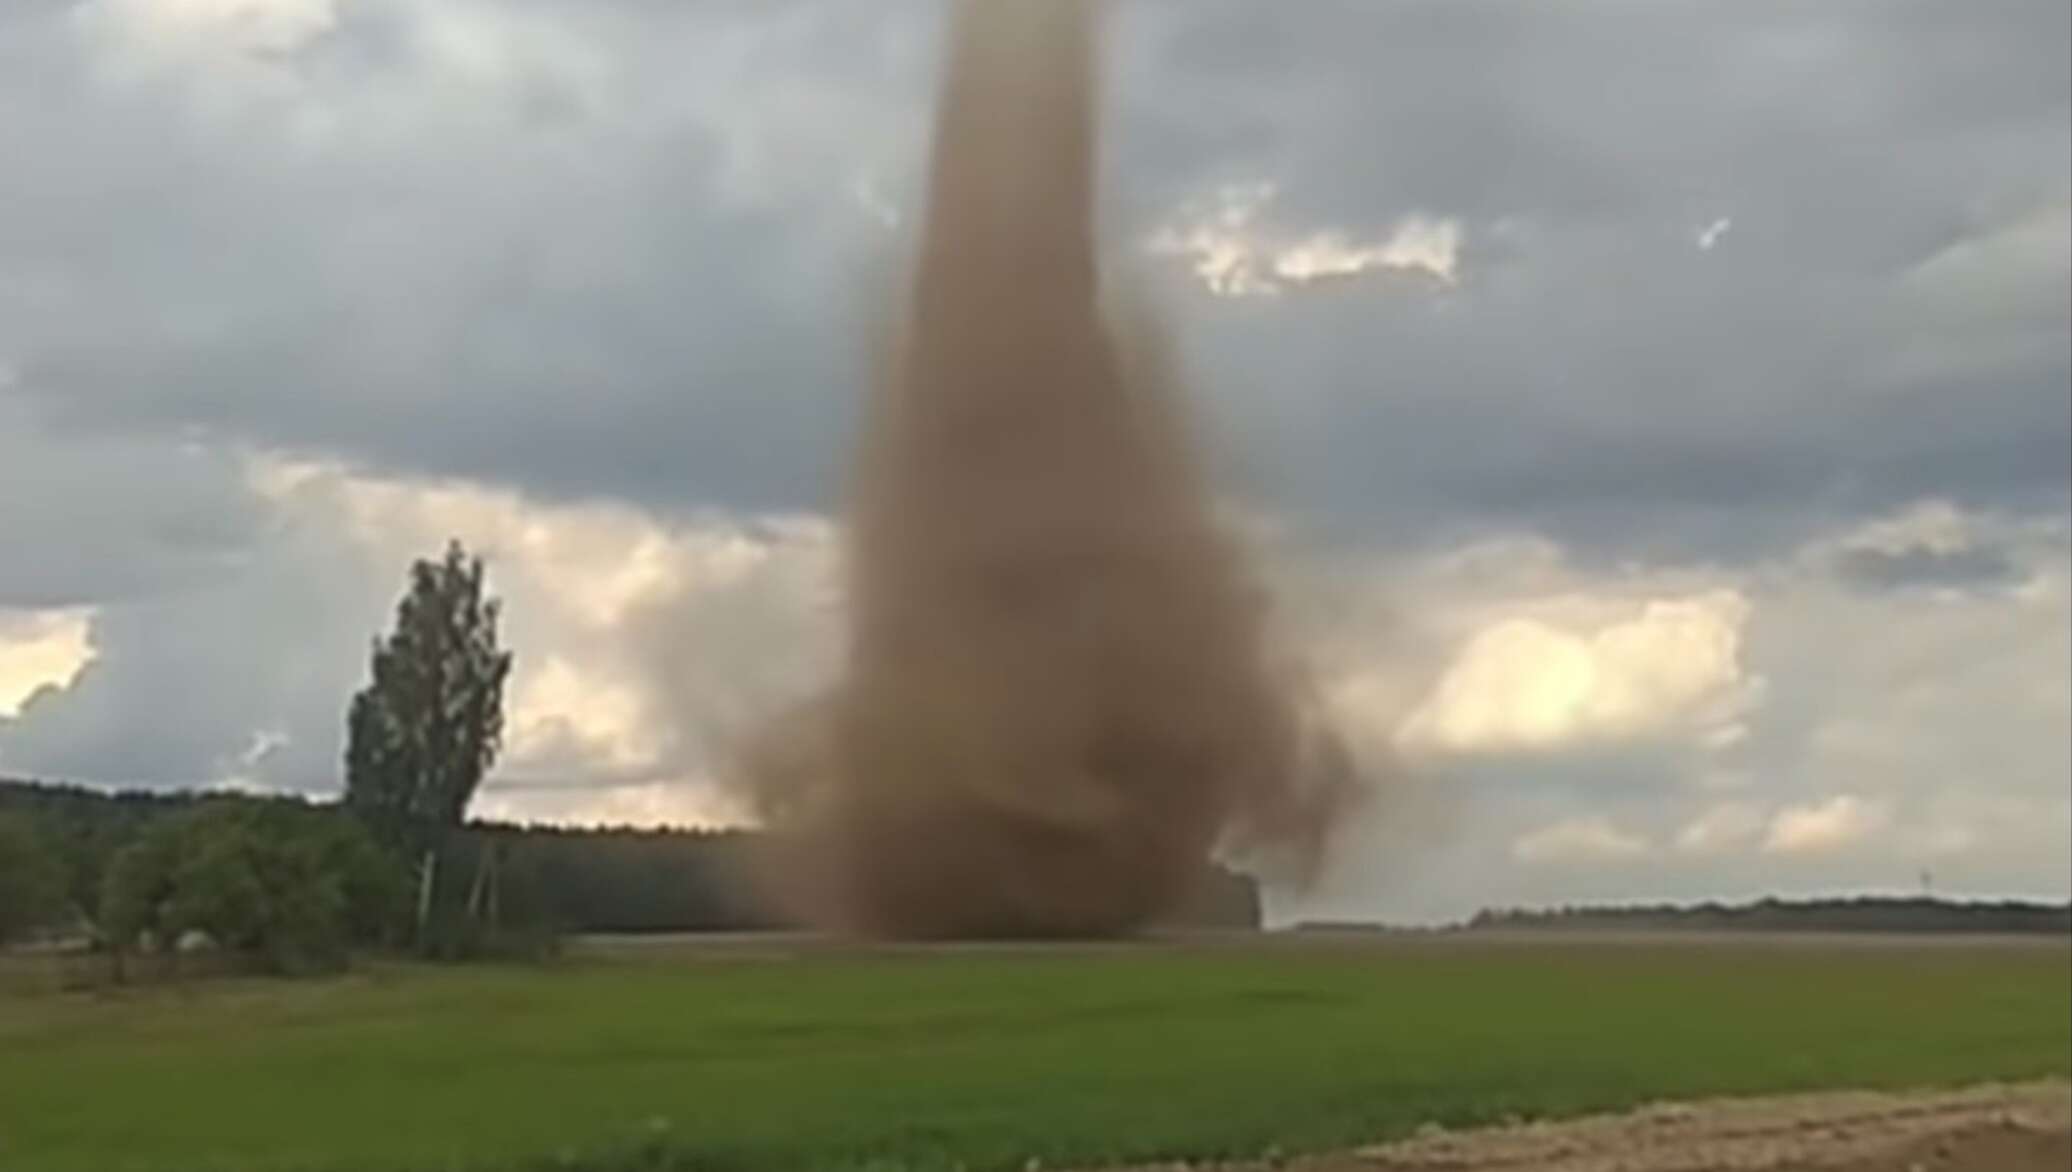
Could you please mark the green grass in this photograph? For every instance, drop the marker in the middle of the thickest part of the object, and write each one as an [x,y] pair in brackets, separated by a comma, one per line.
[937,1059]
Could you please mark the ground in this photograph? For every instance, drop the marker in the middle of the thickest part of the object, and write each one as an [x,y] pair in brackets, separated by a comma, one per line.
[768,1054]
[2025,1128]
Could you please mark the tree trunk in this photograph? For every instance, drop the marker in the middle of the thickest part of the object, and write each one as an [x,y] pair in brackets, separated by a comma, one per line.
[479,890]
[496,890]
[425,871]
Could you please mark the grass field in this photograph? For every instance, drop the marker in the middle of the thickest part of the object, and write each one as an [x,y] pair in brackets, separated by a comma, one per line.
[750,1058]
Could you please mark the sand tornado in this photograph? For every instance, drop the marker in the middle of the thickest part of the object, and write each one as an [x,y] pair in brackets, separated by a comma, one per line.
[1057,700]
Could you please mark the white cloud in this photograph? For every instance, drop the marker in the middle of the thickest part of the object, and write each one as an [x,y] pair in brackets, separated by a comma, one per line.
[264,744]
[559,710]
[1968,824]
[672,802]
[1232,255]
[1915,691]
[1841,821]
[1992,304]
[1529,684]
[2014,264]
[642,646]
[243,770]
[592,563]
[1216,239]
[1941,712]
[1933,526]
[872,201]
[220,54]
[1588,839]
[1419,244]
[41,649]
[1725,827]
[215,28]
[1710,235]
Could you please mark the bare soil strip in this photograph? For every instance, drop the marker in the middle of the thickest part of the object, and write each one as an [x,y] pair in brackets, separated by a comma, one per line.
[2025,1128]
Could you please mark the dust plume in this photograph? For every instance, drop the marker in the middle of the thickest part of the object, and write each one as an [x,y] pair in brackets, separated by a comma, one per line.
[1058,699]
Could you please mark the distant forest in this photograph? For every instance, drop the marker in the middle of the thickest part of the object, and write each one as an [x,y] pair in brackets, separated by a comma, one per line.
[622,880]
[1863,914]
[576,880]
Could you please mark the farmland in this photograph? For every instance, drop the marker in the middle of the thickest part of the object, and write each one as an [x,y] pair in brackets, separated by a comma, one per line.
[770,1054]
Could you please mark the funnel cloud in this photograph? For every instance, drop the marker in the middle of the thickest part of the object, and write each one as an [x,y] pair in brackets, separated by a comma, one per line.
[1058,701]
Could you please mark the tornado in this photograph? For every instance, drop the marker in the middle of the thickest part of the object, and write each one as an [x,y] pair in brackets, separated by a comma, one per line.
[1058,701]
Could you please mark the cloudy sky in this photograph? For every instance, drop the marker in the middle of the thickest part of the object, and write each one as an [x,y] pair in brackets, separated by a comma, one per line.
[1655,413]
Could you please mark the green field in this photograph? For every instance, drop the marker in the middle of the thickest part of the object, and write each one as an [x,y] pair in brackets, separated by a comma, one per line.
[746,1057]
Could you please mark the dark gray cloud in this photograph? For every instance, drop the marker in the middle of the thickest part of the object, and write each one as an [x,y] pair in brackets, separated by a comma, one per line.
[618,252]
[1923,567]
[1599,374]
[598,256]
[87,516]
[234,676]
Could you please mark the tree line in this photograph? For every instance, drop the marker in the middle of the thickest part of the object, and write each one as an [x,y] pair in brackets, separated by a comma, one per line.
[296,884]
[1896,914]
[290,885]
[120,865]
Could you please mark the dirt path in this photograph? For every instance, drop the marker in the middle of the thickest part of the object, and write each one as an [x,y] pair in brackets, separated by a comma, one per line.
[2025,1128]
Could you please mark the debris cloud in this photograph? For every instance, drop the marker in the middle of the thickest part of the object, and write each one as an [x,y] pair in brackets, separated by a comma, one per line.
[1058,701]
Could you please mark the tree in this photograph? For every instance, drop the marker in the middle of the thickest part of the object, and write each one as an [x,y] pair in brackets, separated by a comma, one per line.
[374,887]
[134,894]
[285,886]
[32,881]
[257,889]
[427,727]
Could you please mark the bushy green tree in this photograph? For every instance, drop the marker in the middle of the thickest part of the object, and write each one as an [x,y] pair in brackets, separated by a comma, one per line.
[425,730]
[84,828]
[32,880]
[372,882]
[287,887]
[240,890]
[135,892]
